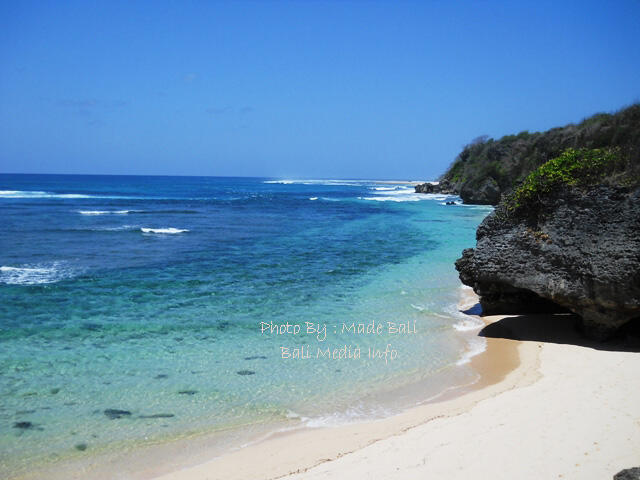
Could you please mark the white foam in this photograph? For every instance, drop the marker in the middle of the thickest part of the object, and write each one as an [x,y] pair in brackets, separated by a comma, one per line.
[465,323]
[105,212]
[38,194]
[293,415]
[41,194]
[313,198]
[487,208]
[116,229]
[476,346]
[347,183]
[22,194]
[392,199]
[468,324]
[418,307]
[34,274]
[354,414]
[167,231]
[405,193]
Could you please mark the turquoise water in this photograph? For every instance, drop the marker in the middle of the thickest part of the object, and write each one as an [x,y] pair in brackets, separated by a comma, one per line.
[146,295]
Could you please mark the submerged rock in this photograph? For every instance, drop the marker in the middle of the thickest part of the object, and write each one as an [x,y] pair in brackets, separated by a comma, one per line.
[245,372]
[24,425]
[114,413]
[81,446]
[577,250]
[188,392]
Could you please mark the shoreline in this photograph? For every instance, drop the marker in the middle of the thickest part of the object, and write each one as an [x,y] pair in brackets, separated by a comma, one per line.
[520,402]
[197,449]
[502,366]
[549,405]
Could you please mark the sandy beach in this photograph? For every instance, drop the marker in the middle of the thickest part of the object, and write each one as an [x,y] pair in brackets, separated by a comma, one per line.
[319,240]
[550,405]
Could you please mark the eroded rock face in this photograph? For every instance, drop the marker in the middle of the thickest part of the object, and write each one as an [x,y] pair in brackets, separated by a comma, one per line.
[486,193]
[579,251]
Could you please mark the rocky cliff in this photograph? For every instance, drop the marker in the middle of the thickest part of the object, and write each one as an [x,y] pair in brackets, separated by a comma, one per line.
[568,238]
[486,169]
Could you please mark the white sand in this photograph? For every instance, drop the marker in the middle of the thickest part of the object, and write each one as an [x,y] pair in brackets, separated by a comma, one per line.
[566,411]
[581,420]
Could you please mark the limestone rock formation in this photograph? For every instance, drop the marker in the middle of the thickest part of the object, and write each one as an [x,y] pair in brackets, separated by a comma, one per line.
[486,193]
[579,251]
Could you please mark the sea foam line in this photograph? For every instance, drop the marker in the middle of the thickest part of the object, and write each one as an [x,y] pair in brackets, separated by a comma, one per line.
[166,231]
[40,194]
[475,346]
[107,212]
[34,274]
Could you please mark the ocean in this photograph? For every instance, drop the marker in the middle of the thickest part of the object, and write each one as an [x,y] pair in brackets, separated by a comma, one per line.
[140,309]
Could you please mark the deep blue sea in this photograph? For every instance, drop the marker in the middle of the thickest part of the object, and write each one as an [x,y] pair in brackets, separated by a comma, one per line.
[146,295]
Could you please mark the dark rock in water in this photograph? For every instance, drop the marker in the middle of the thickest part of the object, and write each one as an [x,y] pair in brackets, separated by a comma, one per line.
[161,376]
[24,425]
[256,357]
[628,474]
[81,446]
[578,251]
[425,188]
[158,415]
[245,372]
[53,391]
[25,412]
[450,203]
[188,392]
[114,413]
[442,187]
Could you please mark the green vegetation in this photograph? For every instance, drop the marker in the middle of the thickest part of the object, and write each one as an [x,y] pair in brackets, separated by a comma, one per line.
[510,160]
[575,168]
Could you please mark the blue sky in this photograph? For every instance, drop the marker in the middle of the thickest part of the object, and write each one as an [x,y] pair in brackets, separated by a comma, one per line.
[360,89]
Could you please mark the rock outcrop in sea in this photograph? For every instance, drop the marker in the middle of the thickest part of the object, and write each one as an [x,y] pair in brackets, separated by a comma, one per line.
[567,239]
[435,187]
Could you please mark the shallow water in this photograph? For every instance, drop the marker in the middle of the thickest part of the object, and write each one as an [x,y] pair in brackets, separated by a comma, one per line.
[146,295]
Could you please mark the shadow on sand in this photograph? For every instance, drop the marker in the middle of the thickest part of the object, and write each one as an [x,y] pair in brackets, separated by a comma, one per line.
[555,328]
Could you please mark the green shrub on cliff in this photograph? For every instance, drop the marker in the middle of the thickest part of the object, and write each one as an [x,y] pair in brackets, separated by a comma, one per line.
[509,160]
[576,168]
